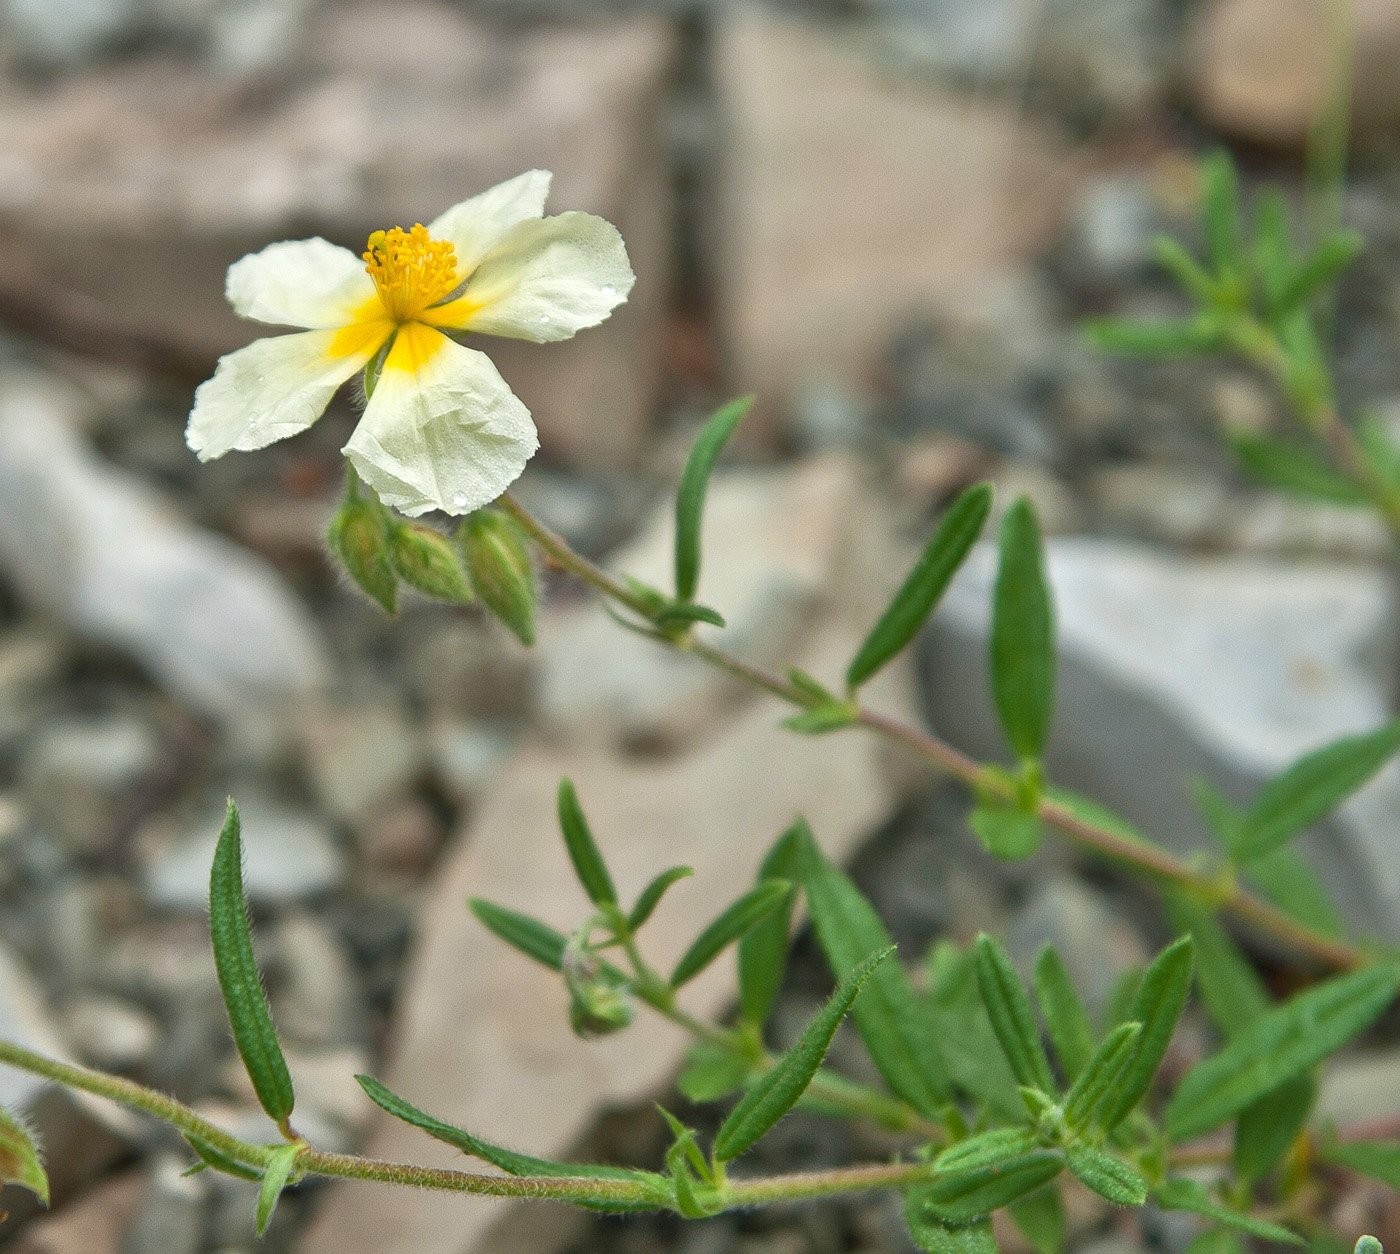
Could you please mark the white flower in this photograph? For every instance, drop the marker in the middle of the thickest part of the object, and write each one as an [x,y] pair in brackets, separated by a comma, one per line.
[442,430]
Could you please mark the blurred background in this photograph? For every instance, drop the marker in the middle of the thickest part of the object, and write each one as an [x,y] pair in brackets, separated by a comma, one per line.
[886,218]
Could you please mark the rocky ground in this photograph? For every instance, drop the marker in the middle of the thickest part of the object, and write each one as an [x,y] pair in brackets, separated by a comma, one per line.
[886,217]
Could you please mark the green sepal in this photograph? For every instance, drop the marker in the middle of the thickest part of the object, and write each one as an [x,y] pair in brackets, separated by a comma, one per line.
[583,850]
[239,980]
[690,496]
[1181,1193]
[932,1234]
[1282,1043]
[728,927]
[1110,1177]
[1071,1033]
[426,561]
[650,897]
[497,556]
[1013,1020]
[967,1195]
[20,1160]
[275,1178]
[359,535]
[919,594]
[776,1092]
[1023,634]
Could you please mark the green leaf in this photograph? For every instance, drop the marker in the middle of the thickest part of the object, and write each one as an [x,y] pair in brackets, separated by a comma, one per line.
[533,938]
[1040,1217]
[1068,1022]
[966,1195]
[1162,337]
[1180,1193]
[819,720]
[893,1023]
[933,1235]
[1157,1006]
[1111,1178]
[711,1072]
[1269,1126]
[1232,991]
[690,497]
[1328,260]
[248,1014]
[508,1161]
[776,1092]
[1378,1159]
[217,1160]
[915,601]
[1186,270]
[1087,810]
[736,919]
[1310,789]
[763,950]
[274,1179]
[1023,634]
[425,560]
[686,1144]
[1216,1241]
[1281,1044]
[1102,1073]
[20,1161]
[1287,880]
[1220,205]
[985,1149]
[497,555]
[964,1033]
[1273,251]
[1373,433]
[650,897]
[583,850]
[1013,1020]
[1005,832]
[1290,466]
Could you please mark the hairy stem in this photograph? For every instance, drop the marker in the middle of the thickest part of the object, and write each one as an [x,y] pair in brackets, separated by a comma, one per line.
[1149,860]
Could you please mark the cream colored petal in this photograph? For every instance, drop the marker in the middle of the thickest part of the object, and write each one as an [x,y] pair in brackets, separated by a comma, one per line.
[300,283]
[442,430]
[270,390]
[474,225]
[548,278]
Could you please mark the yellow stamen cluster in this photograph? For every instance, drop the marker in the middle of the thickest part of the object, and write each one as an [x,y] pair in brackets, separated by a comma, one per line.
[411,270]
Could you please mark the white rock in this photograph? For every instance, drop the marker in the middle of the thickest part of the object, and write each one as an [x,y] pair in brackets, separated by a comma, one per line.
[360,756]
[91,546]
[1176,667]
[110,1033]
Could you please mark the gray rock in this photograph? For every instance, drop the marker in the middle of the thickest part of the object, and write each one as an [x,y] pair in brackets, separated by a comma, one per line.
[465,756]
[171,1216]
[110,1033]
[78,772]
[288,855]
[1360,1088]
[1113,228]
[360,756]
[66,33]
[95,549]
[1173,667]
[315,994]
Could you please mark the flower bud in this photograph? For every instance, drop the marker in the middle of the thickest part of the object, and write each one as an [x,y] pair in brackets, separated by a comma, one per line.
[359,537]
[498,557]
[425,560]
[597,1005]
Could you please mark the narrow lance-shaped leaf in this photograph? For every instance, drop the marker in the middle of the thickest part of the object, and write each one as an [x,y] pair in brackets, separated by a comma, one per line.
[915,600]
[1293,468]
[1232,991]
[986,1149]
[650,897]
[248,1014]
[966,1195]
[729,927]
[275,1175]
[217,1160]
[1023,635]
[533,938]
[1040,1216]
[1158,337]
[1221,210]
[1070,1030]
[1181,1193]
[777,1092]
[1324,264]
[1378,1159]
[1101,1073]
[1267,1128]
[1279,1045]
[1311,788]
[1013,1020]
[1157,1006]
[932,1234]
[690,497]
[1111,1178]
[763,949]
[895,1025]
[1286,879]
[20,1162]
[583,850]
[965,1038]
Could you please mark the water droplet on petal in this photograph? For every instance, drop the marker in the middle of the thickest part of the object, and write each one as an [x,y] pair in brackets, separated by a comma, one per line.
[609,290]
[544,317]
[459,500]
[262,378]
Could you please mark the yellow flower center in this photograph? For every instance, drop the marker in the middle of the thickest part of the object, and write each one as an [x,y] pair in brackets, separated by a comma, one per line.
[411,270]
